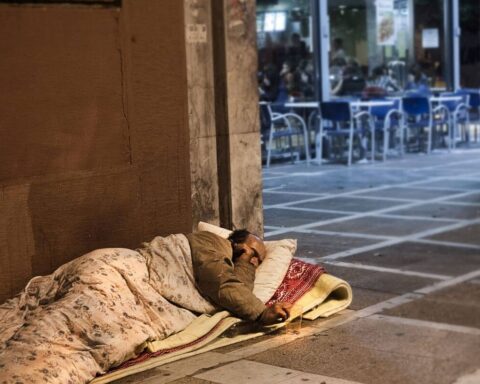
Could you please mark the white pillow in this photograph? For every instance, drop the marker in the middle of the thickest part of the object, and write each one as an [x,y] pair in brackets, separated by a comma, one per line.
[270,273]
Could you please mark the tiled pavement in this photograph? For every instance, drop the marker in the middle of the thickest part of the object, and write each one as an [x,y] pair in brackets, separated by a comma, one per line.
[406,235]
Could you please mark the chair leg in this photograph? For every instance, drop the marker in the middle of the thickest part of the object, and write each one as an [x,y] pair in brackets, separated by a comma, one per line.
[402,135]
[319,144]
[430,129]
[373,141]
[270,142]
[350,144]
[307,150]
[386,133]
[453,129]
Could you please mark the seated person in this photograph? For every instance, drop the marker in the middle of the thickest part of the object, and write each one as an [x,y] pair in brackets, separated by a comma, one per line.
[352,82]
[417,82]
[382,82]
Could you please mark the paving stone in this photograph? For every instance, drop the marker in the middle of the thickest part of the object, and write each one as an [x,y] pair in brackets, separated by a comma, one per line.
[314,246]
[467,235]
[196,363]
[375,351]
[410,193]
[439,210]
[387,226]
[459,305]
[363,298]
[280,198]
[287,218]
[190,380]
[350,204]
[428,258]
[473,198]
[455,183]
[152,376]
[244,371]
[381,282]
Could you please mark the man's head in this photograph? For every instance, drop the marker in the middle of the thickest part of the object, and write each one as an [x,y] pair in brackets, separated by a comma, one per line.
[244,241]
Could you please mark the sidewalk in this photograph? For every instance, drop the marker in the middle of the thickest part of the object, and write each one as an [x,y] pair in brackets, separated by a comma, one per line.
[406,235]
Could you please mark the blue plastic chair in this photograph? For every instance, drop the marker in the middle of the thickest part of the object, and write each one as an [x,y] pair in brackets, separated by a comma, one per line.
[386,119]
[474,107]
[342,123]
[459,113]
[419,115]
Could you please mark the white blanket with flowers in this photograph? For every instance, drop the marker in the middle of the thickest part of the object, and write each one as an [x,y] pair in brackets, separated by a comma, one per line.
[97,311]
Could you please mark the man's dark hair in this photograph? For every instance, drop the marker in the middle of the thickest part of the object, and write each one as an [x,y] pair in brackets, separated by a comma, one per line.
[239,236]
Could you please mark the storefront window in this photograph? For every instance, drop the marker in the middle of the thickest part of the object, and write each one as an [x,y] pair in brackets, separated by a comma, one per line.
[385,46]
[285,50]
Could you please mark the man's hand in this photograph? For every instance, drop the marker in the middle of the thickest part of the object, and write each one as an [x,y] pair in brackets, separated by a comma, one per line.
[276,313]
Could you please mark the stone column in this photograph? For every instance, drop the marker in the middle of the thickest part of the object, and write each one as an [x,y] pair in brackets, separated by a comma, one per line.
[238,145]
[201,112]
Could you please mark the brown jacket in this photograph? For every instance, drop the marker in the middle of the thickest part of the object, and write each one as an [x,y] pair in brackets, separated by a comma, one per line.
[227,284]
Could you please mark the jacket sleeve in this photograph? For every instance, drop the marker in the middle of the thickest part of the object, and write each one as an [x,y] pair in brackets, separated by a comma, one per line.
[227,284]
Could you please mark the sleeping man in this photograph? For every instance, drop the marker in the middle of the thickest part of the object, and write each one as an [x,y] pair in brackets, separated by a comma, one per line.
[225,271]
[98,310]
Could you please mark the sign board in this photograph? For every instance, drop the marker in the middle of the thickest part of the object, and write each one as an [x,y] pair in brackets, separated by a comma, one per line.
[386,29]
[430,38]
[196,33]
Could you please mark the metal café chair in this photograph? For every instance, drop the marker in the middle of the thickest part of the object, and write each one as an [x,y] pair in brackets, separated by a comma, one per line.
[388,119]
[282,125]
[420,115]
[341,122]
[459,113]
[474,108]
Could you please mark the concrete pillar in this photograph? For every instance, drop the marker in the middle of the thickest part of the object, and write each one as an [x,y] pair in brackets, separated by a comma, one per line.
[236,95]
[201,112]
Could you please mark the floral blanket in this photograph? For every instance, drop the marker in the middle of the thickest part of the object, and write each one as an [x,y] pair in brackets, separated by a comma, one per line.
[97,311]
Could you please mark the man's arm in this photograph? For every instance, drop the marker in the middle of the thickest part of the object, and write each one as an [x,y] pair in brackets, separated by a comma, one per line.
[217,279]
[229,284]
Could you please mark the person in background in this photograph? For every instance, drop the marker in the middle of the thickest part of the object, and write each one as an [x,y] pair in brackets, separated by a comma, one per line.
[352,81]
[268,83]
[305,78]
[417,82]
[381,79]
[337,49]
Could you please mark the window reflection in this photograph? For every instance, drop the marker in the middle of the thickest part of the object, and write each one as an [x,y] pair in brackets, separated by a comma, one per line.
[285,54]
[385,46]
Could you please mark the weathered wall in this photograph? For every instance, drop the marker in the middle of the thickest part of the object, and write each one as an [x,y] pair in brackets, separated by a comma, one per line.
[94,141]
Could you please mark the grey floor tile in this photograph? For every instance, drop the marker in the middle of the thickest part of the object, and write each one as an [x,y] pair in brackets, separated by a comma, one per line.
[350,204]
[467,235]
[190,380]
[439,210]
[313,246]
[411,193]
[458,305]
[455,183]
[377,352]
[473,198]
[286,218]
[382,226]
[280,198]
[428,258]
[381,282]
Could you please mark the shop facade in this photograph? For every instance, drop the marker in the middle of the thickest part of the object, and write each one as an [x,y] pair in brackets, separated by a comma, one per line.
[305,47]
